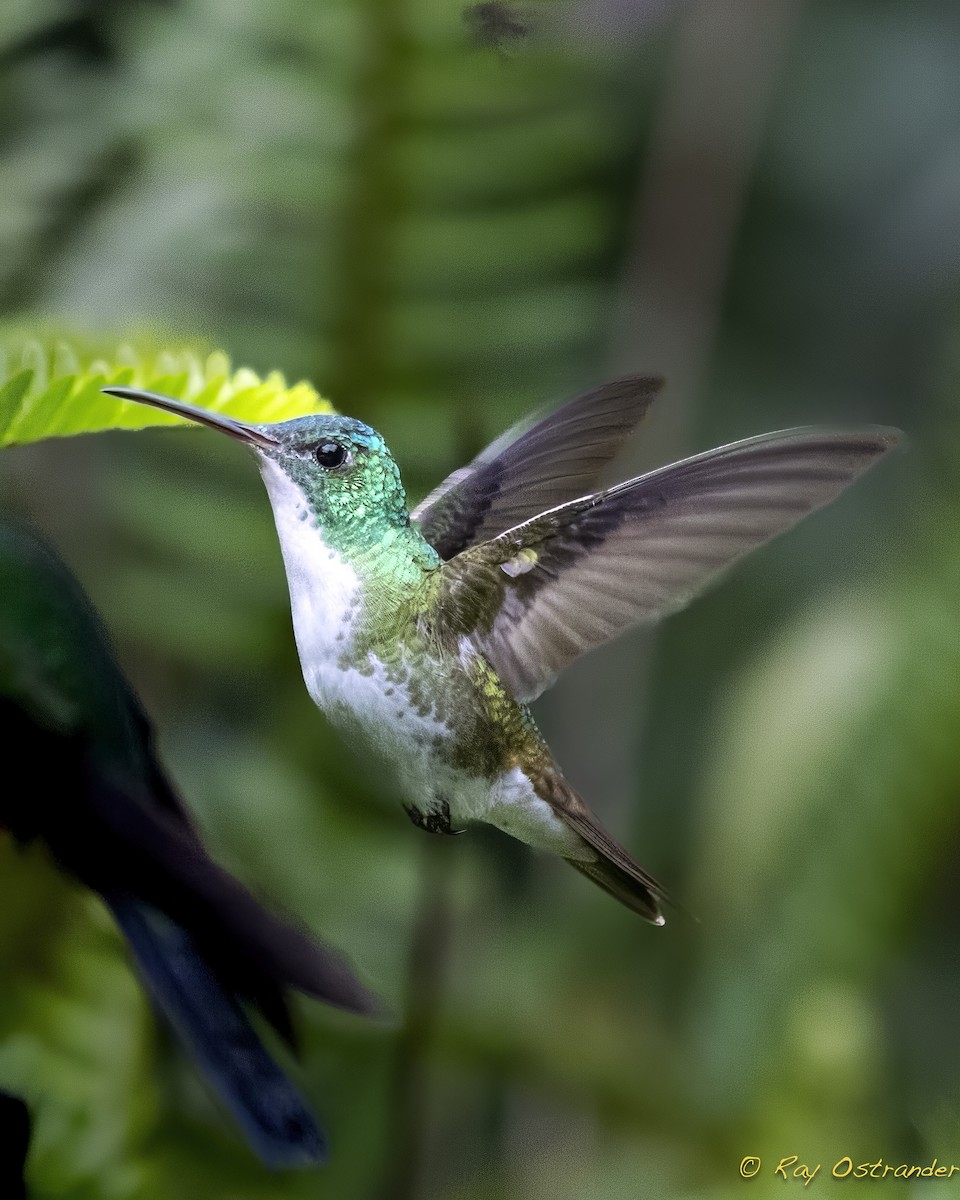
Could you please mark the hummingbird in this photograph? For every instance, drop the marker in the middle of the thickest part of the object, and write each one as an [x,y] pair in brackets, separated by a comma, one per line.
[92,789]
[425,634]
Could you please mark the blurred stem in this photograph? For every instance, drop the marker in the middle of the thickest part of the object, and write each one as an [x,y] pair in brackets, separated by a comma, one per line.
[429,943]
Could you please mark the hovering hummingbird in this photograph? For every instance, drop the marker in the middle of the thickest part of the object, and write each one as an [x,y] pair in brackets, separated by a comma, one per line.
[427,633]
[94,792]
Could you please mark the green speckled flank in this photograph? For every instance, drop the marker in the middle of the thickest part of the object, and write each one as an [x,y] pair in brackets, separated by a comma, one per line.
[505,734]
[491,732]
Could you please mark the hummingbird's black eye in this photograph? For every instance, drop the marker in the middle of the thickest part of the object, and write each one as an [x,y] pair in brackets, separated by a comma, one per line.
[330,455]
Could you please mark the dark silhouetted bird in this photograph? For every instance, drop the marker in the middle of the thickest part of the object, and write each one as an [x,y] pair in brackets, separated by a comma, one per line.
[90,787]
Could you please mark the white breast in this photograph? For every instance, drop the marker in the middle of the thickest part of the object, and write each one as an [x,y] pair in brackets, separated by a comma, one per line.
[324,588]
[325,599]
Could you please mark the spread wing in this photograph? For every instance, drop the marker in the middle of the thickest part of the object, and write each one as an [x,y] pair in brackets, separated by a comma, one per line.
[534,467]
[540,595]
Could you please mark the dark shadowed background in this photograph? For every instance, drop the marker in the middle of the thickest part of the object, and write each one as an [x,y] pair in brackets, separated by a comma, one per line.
[442,230]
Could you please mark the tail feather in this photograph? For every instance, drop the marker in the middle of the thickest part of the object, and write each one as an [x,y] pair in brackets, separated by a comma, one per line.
[612,868]
[636,895]
[219,1036]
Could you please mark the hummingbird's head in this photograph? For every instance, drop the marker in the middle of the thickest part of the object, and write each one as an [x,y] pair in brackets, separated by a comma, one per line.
[332,471]
[343,470]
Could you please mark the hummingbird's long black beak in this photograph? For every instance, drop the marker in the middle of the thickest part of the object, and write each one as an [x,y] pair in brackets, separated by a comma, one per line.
[249,434]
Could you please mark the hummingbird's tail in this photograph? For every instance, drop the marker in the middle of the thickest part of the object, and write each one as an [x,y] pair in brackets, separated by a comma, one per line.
[611,867]
[218,1034]
[642,896]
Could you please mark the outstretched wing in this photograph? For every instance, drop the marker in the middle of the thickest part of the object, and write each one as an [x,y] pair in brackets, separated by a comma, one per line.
[534,467]
[576,577]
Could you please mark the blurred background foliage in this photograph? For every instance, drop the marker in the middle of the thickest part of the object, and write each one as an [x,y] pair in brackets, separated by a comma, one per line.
[758,198]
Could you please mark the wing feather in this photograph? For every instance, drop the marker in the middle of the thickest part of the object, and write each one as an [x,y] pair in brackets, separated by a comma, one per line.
[644,548]
[534,467]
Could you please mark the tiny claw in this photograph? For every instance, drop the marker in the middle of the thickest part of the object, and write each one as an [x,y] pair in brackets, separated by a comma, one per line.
[435,820]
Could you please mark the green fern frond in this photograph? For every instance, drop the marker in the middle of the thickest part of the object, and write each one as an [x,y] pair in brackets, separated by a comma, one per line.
[53,388]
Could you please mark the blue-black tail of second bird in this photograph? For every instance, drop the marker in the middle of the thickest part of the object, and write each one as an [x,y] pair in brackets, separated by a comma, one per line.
[219,1036]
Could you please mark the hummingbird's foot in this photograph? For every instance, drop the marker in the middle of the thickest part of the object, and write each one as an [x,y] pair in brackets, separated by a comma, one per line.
[434,820]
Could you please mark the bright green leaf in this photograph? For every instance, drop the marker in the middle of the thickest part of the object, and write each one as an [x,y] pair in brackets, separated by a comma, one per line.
[49,389]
